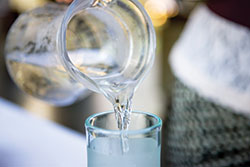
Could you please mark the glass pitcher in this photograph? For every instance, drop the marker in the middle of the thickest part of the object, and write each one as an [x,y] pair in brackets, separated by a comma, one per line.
[55,52]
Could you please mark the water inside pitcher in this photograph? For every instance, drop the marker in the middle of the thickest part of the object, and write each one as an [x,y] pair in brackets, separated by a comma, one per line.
[55,52]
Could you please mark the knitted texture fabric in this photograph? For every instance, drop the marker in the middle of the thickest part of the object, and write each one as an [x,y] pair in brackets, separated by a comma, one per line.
[199,133]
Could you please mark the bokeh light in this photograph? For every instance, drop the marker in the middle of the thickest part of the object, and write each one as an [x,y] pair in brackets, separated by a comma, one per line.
[24,5]
[161,10]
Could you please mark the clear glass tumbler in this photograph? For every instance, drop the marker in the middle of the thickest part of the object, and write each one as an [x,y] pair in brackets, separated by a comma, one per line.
[105,141]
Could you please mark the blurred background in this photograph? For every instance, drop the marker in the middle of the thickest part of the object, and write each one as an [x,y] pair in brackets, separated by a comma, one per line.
[169,18]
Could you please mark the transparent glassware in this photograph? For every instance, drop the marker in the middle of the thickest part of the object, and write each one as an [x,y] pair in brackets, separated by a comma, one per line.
[104,144]
[55,52]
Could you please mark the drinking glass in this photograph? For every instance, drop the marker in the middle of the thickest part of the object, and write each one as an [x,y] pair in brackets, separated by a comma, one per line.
[105,141]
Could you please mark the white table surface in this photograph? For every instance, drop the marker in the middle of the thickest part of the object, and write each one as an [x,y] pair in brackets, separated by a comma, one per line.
[30,141]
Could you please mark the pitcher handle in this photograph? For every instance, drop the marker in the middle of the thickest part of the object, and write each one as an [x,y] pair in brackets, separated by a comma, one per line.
[75,7]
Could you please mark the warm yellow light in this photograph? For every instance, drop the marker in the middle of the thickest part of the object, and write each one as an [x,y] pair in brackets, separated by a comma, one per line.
[24,5]
[161,10]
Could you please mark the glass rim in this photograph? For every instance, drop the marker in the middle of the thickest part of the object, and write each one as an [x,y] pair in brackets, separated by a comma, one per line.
[119,132]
